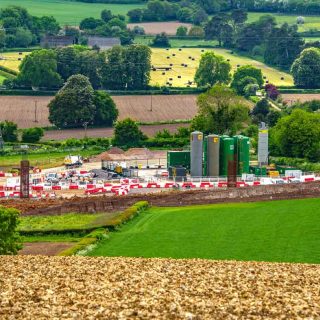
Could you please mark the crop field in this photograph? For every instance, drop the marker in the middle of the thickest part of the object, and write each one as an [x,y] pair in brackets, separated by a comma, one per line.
[283,231]
[21,109]
[184,63]
[35,287]
[302,97]
[69,12]
[150,130]
[11,60]
[311,22]
[154,28]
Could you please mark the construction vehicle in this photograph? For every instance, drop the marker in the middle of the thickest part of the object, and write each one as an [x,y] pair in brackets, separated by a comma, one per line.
[73,161]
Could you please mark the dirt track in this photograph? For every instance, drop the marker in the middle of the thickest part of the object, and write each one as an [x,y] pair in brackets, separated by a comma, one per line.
[129,288]
[21,109]
[173,198]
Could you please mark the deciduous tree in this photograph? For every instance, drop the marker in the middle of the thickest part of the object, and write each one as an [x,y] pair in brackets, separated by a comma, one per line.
[212,69]
[73,105]
[220,111]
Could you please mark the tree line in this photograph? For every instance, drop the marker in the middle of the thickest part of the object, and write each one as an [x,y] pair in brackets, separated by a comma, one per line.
[279,45]
[20,29]
[117,68]
[108,25]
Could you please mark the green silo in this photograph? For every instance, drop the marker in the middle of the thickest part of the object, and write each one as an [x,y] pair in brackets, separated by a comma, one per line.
[226,153]
[242,151]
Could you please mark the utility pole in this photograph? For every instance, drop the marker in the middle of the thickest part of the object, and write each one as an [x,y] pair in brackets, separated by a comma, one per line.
[35,111]
[151,101]
[85,125]
[1,140]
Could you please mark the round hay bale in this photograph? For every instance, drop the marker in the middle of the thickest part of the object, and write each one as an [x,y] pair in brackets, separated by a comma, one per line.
[163,73]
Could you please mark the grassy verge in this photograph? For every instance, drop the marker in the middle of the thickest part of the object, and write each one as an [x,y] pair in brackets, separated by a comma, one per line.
[285,231]
[45,159]
[66,223]
[51,238]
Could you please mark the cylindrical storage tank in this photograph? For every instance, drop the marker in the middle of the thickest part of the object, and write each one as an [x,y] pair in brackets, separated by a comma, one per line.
[226,154]
[213,161]
[205,157]
[196,153]
[242,150]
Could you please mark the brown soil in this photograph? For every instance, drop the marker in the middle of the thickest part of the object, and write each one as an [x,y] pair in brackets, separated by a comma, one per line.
[131,154]
[38,287]
[149,130]
[168,198]
[21,109]
[44,248]
[293,97]
[158,27]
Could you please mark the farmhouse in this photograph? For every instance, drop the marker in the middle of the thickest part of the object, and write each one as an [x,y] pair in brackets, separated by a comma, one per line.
[103,43]
[57,41]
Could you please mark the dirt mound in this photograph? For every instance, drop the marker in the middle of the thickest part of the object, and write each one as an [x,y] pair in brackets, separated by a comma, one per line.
[139,153]
[107,155]
[117,154]
[35,287]
[116,150]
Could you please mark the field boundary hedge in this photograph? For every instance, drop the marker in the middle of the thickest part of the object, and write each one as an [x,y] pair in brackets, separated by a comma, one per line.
[101,233]
[89,239]
[167,91]
[7,70]
[297,90]
[128,214]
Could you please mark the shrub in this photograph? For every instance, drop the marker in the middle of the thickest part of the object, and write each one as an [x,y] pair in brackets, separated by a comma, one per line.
[32,135]
[89,239]
[161,40]
[272,91]
[128,214]
[9,237]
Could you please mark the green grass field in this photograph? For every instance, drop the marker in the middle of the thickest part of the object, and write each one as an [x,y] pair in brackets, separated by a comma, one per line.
[311,22]
[45,159]
[287,231]
[71,221]
[159,59]
[179,43]
[69,12]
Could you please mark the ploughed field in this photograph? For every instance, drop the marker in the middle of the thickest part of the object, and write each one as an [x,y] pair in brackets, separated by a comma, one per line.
[282,231]
[21,109]
[154,28]
[35,287]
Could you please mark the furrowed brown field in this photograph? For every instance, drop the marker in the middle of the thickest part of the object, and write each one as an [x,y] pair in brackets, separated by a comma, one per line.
[294,97]
[157,27]
[149,130]
[33,112]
